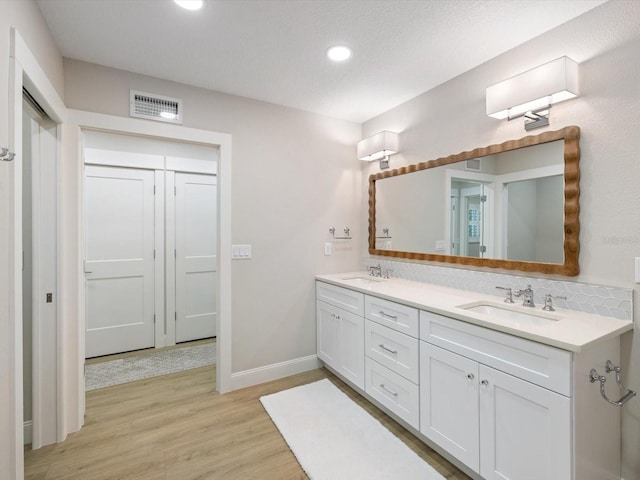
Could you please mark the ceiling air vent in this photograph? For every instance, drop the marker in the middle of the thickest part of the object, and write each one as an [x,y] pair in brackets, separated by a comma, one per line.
[155,107]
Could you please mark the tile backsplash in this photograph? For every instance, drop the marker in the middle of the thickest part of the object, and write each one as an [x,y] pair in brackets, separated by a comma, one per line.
[607,301]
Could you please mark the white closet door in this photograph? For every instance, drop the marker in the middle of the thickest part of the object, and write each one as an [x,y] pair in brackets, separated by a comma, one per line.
[196,224]
[119,262]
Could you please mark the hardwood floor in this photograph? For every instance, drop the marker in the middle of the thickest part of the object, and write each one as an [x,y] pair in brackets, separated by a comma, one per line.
[176,427]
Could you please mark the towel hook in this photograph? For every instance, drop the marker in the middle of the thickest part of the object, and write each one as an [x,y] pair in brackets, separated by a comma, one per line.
[347,234]
[6,155]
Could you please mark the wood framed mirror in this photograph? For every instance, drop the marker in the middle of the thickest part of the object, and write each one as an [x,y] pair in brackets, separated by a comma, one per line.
[513,205]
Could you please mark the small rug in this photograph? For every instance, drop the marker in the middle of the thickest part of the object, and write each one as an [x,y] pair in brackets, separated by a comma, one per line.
[333,438]
[147,365]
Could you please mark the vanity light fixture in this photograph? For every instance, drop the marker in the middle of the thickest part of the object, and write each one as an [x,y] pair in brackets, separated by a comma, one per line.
[190,4]
[532,93]
[378,147]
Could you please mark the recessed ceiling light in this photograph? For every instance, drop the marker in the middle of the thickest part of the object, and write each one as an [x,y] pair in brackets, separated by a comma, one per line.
[190,4]
[339,53]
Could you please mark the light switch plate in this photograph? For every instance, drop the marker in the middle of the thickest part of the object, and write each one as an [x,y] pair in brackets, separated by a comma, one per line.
[327,248]
[240,252]
[637,269]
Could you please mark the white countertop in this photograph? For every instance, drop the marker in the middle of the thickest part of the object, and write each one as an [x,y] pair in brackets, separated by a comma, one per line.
[572,330]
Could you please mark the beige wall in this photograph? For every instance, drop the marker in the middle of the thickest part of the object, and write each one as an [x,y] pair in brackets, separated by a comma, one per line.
[451,119]
[295,175]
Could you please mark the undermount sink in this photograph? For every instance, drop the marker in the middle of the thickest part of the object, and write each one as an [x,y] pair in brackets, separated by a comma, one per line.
[361,280]
[511,313]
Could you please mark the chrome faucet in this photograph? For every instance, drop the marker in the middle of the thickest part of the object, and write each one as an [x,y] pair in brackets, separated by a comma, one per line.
[527,294]
[376,271]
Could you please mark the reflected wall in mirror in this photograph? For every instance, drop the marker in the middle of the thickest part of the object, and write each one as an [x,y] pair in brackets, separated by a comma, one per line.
[513,205]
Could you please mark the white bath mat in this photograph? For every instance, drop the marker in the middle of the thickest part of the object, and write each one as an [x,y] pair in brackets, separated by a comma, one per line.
[333,438]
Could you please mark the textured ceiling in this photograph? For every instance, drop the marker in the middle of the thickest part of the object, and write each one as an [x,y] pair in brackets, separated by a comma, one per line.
[274,50]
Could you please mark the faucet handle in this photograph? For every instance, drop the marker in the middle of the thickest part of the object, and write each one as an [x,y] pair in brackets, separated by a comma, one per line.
[548,302]
[387,273]
[509,294]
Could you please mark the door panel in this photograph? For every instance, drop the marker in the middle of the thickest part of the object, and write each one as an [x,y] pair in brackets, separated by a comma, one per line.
[328,333]
[119,262]
[525,429]
[449,402]
[195,234]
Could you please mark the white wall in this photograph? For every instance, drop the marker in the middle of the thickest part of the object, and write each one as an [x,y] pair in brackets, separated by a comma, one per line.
[295,175]
[451,119]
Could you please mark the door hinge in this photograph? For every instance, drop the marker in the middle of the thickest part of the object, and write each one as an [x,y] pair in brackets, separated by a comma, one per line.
[483,249]
[154,253]
[154,189]
[175,316]
[175,253]
[175,191]
[154,318]
[483,198]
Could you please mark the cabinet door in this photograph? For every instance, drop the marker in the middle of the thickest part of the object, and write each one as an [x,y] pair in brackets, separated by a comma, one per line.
[328,334]
[525,430]
[449,402]
[352,348]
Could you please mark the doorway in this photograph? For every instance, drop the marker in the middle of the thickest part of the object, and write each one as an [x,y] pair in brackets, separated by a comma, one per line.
[150,243]
[39,270]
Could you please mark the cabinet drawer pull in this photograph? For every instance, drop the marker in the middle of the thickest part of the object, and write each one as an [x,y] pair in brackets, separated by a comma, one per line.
[470,376]
[382,346]
[395,394]
[484,383]
[386,315]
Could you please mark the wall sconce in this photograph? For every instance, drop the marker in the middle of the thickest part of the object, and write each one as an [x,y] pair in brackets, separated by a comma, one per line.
[531,94]
[378,147]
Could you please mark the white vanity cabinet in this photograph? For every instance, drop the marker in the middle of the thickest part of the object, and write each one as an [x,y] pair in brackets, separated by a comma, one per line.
[340,331]
[500,406]
[498,425]
[513,409]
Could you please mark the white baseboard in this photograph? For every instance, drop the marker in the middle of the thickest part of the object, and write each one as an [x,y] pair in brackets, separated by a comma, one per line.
[255,376]
[28,428]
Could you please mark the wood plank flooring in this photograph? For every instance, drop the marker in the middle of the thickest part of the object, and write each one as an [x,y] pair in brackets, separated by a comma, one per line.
[176,427]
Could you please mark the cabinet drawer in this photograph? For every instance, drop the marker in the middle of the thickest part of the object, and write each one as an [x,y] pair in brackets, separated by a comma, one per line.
[394,350]
[344,298]
[540,364]
[393,315]
[396,393]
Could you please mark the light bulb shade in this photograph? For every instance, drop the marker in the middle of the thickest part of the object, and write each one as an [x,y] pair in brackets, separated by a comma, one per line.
[539,87]
[378,146]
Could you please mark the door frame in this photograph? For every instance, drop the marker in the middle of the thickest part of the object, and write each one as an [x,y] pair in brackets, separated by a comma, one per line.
[25,71]
[131,126]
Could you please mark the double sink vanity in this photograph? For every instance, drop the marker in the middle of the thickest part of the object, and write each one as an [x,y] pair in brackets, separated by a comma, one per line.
[502,390]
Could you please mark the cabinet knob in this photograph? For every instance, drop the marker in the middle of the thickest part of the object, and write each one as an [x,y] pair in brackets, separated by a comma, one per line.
[484,383]
[470,376]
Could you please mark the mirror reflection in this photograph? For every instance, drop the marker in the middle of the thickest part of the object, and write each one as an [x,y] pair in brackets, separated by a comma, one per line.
[505,203]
